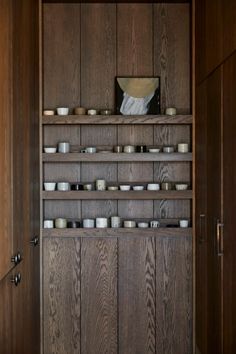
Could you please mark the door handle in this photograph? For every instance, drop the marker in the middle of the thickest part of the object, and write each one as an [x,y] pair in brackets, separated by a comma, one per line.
[219,238]
[16,258]
[201,236]
[16,279]
[34,241]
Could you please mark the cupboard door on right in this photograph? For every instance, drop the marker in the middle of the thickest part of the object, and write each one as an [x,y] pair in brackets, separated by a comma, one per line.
[229,201]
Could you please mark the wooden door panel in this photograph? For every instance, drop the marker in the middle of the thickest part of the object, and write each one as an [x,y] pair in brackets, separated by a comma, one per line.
[173,295]
[61,295]
[229,201]
[201,216]
[6,241]
[99,296]
[214,308]
[6,335]
[137,296]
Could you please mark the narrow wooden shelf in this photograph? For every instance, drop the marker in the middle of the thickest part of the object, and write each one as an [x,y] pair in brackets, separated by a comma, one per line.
[117,157]
[120,195]
[121,232]
[117,119]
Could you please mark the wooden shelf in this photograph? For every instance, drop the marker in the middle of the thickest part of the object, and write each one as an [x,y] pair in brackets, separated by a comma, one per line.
[117,119]
[121,232]
[120,195]
[117,157]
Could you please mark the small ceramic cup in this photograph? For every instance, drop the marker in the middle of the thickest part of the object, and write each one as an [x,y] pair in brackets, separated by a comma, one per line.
[61,223]
[88,223]
[49,186]
[88,187]
[63,186]
[106,112]
[112,188]
[125,187]
[181,186]
[154,150]
[100,185]
[101,223]
[183,147]
[77,187]
[154,224]
[62,111]
[50,149]
[129,149]
[48,112]
[166,186]
[129,223]
[168,149]
[48,224]
[143,225]
[64,147]
[80,110]
[138,188]
[153,187]
[92,112]
[171,111]
[141,148]
[183,223]
[91,149]
[118,148]
[115,221]
[73,224]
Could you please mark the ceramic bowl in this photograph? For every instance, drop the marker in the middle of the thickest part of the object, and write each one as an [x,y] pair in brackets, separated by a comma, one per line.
[138,188]
[62,111]
[50,149]
[49,186]
[143,225]
[154,150]
[112,188]
[129,223]
[153,187]
[181,186]
[124,187]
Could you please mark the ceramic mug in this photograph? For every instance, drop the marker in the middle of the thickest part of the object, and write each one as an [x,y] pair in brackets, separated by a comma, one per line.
[88,223]
[115,221]
[62,111]
[101,223]
[63,186]
[183,147]
[48,224]
[64,147]
[60,223]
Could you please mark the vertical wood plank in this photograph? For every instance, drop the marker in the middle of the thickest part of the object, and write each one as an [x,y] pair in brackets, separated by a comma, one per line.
[134,44]
[61,61]
[98,54]
[173,295]
[172,54]
[99,296]
[61,295]
[137,295]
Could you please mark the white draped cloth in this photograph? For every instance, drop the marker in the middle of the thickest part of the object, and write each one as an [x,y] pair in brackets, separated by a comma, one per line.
[133,105]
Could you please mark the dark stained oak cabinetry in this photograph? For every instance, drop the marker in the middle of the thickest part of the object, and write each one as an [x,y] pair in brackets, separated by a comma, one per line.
[116,290]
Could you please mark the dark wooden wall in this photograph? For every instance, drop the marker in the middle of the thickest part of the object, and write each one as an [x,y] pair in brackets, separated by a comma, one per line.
[87,45]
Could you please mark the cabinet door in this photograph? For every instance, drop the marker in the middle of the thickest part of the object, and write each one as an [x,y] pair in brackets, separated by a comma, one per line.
[214,212]
[6,242]
[229,200]
[6,335]
[201,216]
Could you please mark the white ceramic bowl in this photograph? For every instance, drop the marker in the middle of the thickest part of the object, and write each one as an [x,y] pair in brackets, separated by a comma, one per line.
[181,186]
[62,111]
[154,150]
[50,149]
[143,225]
[138,188]
[49,186]
[153,187]
[168,149]
[124,187]
[183,223]
[112,188]
[63,186]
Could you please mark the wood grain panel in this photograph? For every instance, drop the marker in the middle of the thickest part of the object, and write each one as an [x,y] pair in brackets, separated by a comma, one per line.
[98,135]
[229,191]
[167,209]
[214,34]
[62,209]
[61,55]
[6,240]
[61,295]
[137,296]
[229,30]
[98,55]
[172,54]
[134,46]
[99,306]
[6,323]
[52,135]
[200,40]
[201,217]
[173,295]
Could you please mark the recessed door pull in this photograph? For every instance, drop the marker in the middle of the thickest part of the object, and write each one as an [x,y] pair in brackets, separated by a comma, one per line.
[219,238]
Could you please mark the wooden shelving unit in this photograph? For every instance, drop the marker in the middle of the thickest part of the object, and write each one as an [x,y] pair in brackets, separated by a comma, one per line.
[117,157]
[119,232]
[117,119]
[117,195]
